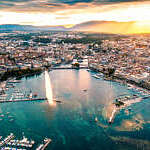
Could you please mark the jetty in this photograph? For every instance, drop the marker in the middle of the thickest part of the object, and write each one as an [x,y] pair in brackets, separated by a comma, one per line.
[47,141]
[124,104]
[22,100]
[28,100]
[44,146]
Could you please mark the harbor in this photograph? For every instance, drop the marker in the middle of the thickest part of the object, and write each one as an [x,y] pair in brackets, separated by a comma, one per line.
[17,95]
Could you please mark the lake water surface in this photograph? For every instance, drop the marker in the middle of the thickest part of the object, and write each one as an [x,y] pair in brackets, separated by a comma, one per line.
[71,125]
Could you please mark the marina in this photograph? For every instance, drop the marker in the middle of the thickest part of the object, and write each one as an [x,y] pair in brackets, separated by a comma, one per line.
[10,143]
[7,139]
[17,95]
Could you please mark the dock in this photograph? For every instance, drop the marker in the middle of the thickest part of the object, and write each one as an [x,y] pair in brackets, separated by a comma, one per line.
[7,139]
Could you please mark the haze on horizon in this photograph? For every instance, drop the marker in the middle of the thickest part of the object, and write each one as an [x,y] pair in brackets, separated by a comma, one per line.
[113,16]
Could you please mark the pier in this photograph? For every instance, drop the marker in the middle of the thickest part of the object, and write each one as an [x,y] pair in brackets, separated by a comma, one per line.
[111,119]
[28,100]
[46,143]
[44,146]
[22,100]
[126,104]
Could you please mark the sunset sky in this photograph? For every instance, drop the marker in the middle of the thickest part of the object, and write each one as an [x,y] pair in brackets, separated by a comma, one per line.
[71,12]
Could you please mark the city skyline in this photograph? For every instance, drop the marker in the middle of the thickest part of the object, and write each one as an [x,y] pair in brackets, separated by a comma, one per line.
[128,16]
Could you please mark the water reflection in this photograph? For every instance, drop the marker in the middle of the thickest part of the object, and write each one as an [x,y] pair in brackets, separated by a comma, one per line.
[84,79]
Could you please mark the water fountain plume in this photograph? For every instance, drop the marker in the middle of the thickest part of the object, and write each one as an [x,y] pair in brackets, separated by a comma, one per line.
[49,93]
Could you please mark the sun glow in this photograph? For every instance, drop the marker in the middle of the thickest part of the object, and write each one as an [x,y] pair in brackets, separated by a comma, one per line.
[136,16]
[140,27]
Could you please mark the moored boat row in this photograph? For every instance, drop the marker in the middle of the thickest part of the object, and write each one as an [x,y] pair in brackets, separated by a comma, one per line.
[9,143]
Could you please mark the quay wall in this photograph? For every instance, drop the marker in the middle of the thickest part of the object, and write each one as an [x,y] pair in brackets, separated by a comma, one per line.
[114,77]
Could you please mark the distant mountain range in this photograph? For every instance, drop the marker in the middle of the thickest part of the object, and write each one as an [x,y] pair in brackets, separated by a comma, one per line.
[92,26]
[16,27]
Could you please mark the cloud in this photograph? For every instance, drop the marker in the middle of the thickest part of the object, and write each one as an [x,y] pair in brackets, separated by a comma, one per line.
[55,5]
[64,12]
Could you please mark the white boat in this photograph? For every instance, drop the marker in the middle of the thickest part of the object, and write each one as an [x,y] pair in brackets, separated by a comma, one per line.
[96,119]
[11,98]
[96,76]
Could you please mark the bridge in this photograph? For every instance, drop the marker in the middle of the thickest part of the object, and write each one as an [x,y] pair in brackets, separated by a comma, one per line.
[58,68]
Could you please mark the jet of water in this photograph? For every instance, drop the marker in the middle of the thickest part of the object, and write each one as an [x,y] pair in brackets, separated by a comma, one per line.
[49,93]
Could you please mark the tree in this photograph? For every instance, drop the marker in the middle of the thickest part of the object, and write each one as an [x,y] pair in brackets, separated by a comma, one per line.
[76,65]
[111,71]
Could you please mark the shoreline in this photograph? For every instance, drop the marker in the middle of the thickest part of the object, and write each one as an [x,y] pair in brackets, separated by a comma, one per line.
[20,73]
[122,80]
[129,102]
[37,71]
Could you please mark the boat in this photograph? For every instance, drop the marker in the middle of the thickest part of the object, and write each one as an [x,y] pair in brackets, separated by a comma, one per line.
[96,76]
[14,81]
[7,139]
[58,101]
[11,120]
[85,90]
[11,98]
[96,119]
[10,116]
[3,95]
[18,95]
